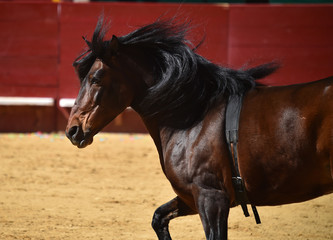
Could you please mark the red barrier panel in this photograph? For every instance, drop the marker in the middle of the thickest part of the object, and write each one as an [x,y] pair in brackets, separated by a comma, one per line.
[300,37]
[29,49]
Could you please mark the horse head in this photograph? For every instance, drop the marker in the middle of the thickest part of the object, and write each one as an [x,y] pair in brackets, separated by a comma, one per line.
[104,93]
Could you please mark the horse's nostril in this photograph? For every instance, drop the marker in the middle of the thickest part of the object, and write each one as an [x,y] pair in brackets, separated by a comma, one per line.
[72,131]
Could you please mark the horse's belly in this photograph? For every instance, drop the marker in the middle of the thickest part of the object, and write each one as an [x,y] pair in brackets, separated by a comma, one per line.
[286,144]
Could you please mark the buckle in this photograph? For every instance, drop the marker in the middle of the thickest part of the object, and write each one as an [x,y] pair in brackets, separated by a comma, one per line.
[238,184]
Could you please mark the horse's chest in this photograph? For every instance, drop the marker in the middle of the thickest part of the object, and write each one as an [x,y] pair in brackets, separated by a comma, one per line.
[188,159]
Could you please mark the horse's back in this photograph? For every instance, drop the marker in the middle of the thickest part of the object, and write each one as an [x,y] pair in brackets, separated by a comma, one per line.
[285,142]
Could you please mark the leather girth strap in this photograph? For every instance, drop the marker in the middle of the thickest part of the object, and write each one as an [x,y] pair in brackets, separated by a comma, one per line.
[233,110]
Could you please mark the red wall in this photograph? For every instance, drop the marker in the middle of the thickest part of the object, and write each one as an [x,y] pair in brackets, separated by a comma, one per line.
[300,37]
[39,42]
[29,49]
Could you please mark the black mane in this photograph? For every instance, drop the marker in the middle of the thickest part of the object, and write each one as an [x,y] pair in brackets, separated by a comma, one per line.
[186,85]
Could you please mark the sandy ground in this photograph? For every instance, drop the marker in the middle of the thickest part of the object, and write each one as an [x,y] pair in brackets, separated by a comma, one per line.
[49,189]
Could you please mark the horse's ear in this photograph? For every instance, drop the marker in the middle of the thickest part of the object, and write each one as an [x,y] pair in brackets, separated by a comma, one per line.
[112,49]
[114,45]
[88,43]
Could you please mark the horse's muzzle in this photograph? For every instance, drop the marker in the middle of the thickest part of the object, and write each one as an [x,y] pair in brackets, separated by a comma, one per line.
[79,138]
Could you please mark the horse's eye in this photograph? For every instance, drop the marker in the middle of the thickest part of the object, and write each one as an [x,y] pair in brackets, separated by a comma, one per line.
[95,80]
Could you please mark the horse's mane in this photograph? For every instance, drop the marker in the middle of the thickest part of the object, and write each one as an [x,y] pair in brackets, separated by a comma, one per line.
[186,85]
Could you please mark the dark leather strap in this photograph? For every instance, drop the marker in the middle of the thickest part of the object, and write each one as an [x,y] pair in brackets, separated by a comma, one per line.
[232,125]
[233,110]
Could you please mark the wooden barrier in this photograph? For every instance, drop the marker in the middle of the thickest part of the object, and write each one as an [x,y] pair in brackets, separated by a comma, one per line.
[41,40]
[29,49]
[298,36]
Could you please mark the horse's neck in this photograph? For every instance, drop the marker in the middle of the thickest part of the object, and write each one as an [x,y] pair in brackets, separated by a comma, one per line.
[154,131]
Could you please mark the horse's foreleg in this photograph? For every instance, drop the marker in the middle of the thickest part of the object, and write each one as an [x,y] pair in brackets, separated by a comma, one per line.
[213,207]
[162,216]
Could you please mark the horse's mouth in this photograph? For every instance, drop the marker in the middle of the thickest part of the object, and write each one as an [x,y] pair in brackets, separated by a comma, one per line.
[85,142]
[82,143]
[79,138]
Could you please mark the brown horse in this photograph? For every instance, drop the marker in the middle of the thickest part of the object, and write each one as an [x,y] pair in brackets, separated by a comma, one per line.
[285,137]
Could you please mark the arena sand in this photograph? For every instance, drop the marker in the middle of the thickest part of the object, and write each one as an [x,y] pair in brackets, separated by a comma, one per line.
[49,189]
